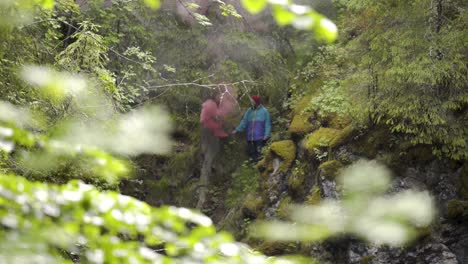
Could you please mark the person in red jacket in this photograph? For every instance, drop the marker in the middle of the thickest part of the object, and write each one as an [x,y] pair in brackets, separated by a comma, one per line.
[211,120]
[210,117]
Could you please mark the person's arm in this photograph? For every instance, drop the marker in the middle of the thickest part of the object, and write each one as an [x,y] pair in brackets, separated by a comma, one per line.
[243,122]
[267,125]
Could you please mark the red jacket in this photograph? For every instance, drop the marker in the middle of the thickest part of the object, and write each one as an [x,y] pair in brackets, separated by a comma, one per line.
[211,119]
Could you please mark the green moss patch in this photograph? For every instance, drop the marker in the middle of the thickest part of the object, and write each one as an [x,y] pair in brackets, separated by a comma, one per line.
[375,140]
[286,150]
[314,196]
[252,206]
[366,259]
[338,122]
[342,136]
[330,168]
[277,248]
[457,209]
[284,208]
[296,181]
[320,138]
[303,123]
[302,104]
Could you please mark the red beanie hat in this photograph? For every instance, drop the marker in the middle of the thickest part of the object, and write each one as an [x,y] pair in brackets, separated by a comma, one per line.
[256,99]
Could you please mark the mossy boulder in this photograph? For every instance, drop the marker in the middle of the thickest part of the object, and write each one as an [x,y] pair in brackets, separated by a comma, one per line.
[252,205]
[301,105]
[374,141]
[286,150]
[320,138]
[296,180]
[338,121]
[277,248]
[366,259]
[313,197]
[302,124]
[342,136]
[457,210]
[330,168]
[284,208]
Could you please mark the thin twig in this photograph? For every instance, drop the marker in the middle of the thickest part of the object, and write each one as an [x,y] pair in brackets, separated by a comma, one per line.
[211,85]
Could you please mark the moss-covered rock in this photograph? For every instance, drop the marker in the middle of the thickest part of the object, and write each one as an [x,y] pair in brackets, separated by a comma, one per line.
[252,205]
[284,208]
[337,121]
[313,197]
[374,141]
[286,150]
[366,259]
[277,248]
[303,123]
[320,138]
[296,180]
[301,105]
[457,210]
[342,136]
[330,168]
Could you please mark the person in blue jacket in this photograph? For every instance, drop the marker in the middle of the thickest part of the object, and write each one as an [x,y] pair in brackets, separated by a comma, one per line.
[256,122]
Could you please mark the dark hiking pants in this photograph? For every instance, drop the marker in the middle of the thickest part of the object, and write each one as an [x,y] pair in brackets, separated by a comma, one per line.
[254,149]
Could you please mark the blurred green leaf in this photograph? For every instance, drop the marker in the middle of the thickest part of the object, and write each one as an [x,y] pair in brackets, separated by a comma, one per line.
[364,211]
[254,6]
[282,15]
[154,4]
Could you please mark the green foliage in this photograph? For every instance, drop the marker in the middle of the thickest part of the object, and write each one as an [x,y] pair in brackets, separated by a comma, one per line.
[245,180]
[300,16]
[86,142]
[46,223]
[331,100]
[409,71]
[115,47]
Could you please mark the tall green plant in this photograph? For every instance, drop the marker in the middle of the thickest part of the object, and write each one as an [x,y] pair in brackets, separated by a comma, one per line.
[411,69]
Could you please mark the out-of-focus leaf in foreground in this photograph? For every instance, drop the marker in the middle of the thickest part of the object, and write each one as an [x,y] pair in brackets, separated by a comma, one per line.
[364,210]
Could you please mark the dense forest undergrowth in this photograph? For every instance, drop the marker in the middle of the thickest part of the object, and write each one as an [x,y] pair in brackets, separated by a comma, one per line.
[110,93]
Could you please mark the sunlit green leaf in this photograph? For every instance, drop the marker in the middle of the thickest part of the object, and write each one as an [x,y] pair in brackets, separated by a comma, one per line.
[154,4]
[282,15]
[326,30]
[254,6]
[49,4]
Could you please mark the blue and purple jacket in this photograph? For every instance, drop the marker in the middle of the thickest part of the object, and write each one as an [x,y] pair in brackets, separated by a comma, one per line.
[257,123]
